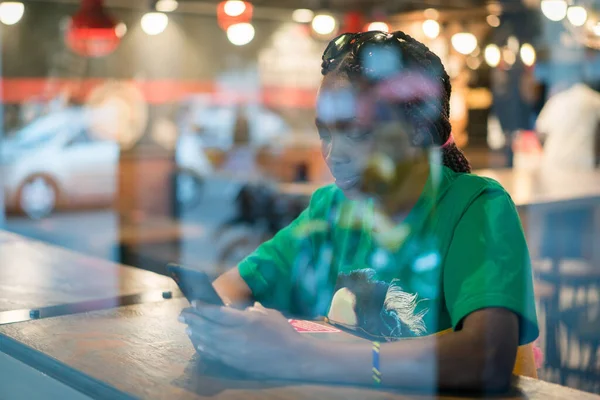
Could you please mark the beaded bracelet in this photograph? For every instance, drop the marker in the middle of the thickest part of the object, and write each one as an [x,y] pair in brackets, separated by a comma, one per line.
[376,371]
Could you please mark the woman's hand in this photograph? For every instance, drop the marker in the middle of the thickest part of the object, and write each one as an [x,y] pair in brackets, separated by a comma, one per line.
[257,340]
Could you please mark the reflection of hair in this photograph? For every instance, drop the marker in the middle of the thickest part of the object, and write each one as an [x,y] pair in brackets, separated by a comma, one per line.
[416,56]
[383,309]
[404,305]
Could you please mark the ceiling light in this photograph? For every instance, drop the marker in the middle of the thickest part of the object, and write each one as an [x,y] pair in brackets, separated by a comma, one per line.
[431,28]
[324,24]
[577,15]
[464,42]
[240,34]
[303,15]
[554,10]
[11,12]
[154,23]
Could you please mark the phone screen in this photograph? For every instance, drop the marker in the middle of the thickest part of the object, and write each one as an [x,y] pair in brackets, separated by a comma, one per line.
[194,285]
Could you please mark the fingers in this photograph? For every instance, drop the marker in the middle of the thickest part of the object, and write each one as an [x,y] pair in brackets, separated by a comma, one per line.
[225,348]
[225,316]
[204,343]
[258,308]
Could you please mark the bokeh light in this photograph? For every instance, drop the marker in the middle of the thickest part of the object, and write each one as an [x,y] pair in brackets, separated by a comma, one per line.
[577,15]
[166,5]
[324,24]
[464,42]
[240,34]
[493,20]
[11,12]
[554,10]
[528,55]
[378,26]
[303,15]
[121,29]
[234,8]
[154,23]
[492,55]
[431,28]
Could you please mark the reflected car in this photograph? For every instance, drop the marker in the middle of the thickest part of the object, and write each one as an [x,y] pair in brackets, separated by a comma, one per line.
[206,124]
[53,163]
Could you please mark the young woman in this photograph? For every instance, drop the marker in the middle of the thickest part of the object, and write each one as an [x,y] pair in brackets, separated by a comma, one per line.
[406,244]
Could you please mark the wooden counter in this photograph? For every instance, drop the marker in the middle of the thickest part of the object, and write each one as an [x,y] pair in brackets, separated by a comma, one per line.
[142,351]
[37,276]
[108,350]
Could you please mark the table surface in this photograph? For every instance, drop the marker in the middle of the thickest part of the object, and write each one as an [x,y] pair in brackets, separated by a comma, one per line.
[37,275]
[141,351]
[525,187]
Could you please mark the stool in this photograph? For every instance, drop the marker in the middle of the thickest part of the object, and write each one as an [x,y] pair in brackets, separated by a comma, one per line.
[582,329]
[555,279]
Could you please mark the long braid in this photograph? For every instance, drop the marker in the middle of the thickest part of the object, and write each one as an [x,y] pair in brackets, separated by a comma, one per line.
[431,119]
[452,156]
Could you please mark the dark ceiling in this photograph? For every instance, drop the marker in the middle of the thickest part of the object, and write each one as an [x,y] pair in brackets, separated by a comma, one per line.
[389,6]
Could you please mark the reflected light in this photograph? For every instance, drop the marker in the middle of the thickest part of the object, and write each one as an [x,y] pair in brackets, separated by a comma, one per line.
[323,24]
[596,29]
[493,21]
[166,5]
[577,15]
[240,34]
[473,63]
[494,8]
[154,23]
[513,44]
[528,54]
[508,56]
[554,10]
[431,28]
[234,8]
[11,12]
[464,42]
[120,29]
[431,13]
[492,55]
[303,15]
[378,26]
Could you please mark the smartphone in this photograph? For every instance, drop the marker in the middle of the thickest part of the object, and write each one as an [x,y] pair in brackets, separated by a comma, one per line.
[194,285]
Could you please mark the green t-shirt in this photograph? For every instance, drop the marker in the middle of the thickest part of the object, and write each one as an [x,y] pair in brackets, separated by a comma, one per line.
[462,249]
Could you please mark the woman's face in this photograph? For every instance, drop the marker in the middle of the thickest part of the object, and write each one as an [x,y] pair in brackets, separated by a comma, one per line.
[346,141]
[352,132]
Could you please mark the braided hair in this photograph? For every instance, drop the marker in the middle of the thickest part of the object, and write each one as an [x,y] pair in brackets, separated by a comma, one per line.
[429,118]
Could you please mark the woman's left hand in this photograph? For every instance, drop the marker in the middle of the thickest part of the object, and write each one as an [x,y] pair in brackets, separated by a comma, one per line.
[257,340]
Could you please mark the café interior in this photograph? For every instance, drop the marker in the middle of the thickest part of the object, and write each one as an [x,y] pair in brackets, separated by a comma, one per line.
[139,133]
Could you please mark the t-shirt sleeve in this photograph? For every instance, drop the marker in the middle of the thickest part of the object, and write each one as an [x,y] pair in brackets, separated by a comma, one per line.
[488,264]
[268,270]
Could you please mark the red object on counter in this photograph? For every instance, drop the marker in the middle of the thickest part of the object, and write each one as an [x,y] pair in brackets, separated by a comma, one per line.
[91,32]
[311,327]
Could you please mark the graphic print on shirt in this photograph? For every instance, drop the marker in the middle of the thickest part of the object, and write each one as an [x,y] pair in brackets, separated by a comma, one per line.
[376,308]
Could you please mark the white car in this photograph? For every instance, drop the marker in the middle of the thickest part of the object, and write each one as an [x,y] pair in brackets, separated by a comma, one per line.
[53,163]
[207,124]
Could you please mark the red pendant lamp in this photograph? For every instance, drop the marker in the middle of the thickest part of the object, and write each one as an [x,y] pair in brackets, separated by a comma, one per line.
[354,21]
[91,32]
[233,12]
